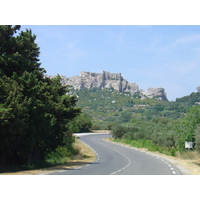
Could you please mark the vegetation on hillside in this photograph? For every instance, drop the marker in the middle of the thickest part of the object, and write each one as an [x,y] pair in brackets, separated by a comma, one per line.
[164,135]
[164,125]
[108,105]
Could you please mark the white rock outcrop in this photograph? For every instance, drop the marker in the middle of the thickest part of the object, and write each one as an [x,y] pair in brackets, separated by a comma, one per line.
[158,93]
[101,80]
[111,80]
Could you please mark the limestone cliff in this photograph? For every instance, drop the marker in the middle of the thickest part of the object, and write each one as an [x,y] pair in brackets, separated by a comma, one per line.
[111,80]
[158,93]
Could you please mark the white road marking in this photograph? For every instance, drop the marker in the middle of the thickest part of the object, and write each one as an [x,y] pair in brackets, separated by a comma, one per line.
[97,156]
[143,152]
[62,171]
[78,167]
[129,162]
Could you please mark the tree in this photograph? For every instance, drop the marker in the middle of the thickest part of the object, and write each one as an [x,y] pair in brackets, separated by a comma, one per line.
[81,123]
[197,139]
[34,109]
[18,53]
[13,117]
[186,127]
[125,116]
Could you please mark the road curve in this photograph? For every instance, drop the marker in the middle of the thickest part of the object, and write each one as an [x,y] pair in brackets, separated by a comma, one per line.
[115,159]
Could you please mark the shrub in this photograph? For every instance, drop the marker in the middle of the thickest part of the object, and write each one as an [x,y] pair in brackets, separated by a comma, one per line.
[129,136]
[95,126]
[166,139]
[119,131]
[197,137]
[169,139]
[109,125]
[139,135]
[59,156]
[82,123]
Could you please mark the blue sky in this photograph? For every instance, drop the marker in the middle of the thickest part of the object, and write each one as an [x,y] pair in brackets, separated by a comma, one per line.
[151,56]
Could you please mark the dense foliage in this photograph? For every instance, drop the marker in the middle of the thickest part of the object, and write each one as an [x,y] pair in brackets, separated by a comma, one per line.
[166,124]
[81,123]
[165,134]
[108,105]
[158,131]
[34,109]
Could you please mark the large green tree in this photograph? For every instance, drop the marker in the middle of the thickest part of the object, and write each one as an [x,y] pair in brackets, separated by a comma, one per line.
[18,52]
[34,109]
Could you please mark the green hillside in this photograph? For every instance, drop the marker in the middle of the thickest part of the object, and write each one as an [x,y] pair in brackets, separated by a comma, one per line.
[162,126]
[108,105]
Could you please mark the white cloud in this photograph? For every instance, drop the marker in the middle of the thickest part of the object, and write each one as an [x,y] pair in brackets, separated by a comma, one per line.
[181,42]
[189,39]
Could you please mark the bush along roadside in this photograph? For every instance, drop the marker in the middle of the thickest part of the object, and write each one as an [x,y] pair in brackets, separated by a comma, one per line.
[147,144]
[168,136]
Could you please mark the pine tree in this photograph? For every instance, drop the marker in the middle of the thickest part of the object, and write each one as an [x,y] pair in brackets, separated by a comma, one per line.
[18,53]
[34,109]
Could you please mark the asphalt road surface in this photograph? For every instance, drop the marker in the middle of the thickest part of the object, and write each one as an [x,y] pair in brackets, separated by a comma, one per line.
[115,159]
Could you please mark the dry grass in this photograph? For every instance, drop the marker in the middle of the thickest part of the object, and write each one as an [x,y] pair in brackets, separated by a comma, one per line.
[85,156]
[185,163]
[101,131]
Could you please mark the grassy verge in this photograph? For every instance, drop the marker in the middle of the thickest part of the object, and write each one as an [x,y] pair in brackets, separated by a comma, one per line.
[147,144]
[61,155]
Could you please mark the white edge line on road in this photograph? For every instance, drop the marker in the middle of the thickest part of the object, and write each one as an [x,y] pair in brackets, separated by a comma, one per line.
[97,159]
[146,153]
[129,162]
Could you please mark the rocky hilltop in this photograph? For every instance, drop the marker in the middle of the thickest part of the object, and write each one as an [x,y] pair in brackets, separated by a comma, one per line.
[111,80]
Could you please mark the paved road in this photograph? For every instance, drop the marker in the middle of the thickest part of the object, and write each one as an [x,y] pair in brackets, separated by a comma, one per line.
[114,159]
